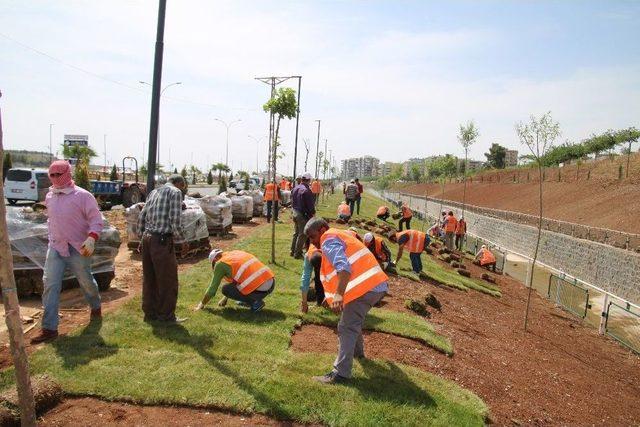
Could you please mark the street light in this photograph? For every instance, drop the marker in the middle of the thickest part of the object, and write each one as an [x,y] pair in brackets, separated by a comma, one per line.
[50,139]
[161,92]
[227,126]
[257,140]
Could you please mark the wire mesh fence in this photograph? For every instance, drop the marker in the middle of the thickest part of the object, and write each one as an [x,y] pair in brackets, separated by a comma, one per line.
[623,325]
[569,295]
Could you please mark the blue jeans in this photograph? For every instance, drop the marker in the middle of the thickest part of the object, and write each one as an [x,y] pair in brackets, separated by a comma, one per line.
[416,262]
[54,267]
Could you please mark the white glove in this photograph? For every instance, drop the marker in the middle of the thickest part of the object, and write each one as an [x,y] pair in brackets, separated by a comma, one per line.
[88,247]
[200,306]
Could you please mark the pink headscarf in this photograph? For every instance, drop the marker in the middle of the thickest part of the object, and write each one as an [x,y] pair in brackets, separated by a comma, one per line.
[63,181]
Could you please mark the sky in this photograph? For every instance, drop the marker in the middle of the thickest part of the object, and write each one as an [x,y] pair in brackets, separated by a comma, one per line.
[391,79]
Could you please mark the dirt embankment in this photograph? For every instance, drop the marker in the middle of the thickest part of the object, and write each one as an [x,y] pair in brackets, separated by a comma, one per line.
[600,201]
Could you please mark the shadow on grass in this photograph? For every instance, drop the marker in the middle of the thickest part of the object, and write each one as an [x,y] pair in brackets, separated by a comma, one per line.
[200,343]
[238,314]
[76,350]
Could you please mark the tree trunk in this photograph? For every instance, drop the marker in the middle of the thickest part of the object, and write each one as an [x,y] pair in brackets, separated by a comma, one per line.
[464,188]
[535,253]
[274,158]
[12,314]
[628,158]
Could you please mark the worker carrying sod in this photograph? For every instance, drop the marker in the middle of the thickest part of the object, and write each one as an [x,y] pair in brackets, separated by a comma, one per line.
[383,213]
[344,212]
[381,251]
[450,226]
[415,242]
[272,197]
[406,215]
[75,224]
[485,258]
[353,282]
[249,281]
[316,189]
[312,262]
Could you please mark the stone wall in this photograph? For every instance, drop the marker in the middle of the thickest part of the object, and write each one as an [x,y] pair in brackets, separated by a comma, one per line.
[613,269]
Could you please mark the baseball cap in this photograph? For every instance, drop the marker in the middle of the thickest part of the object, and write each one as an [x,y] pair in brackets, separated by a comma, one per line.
[214,253]
[306,176]
[368,237]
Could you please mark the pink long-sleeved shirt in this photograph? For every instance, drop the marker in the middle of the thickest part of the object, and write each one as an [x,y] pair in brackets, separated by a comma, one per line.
[73,216]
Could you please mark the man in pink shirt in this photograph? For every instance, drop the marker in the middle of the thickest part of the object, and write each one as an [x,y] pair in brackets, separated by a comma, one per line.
[75,224]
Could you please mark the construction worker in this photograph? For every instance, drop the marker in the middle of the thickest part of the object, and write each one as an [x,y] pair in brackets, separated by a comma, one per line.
[383,213]
[344,213]
[450,225]
[359,196]
[353,282]
[272,197]
[312,262]
[461,231]
[485,258]
[284,184]
[351,194]
[407,214]
[316,189]
[249,280]
[415,242]
[380,250]
[303,208]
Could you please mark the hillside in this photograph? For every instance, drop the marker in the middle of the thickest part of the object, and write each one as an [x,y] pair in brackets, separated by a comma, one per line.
[591,195]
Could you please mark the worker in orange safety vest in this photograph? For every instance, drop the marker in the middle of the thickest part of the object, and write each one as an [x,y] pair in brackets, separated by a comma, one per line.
[450,225]
[415,242]
[383,213]
[272,197]
[344,213]
[407,214]
[485,258]
[381,251]
[316,188]
[353,283]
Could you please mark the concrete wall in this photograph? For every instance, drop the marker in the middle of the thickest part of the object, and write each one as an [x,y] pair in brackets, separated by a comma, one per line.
[612,269]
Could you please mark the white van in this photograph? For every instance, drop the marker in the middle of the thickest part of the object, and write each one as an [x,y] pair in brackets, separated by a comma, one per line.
[26,184]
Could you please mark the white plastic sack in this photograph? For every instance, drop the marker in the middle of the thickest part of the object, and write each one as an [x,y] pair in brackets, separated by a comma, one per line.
[242,207]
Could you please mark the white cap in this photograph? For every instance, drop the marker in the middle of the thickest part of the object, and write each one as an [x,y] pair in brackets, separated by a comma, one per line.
[368,237]
[353,229]
[353,181]
[299,176]
[307,176]
[484,246]
[214,253]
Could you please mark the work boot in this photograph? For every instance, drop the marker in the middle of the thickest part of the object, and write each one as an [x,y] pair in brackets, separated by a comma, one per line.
[96,313]
[257,306]
[330,378]
[45,336]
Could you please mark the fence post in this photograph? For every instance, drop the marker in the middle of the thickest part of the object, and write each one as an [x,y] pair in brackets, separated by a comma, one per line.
[529,272]
[603,316]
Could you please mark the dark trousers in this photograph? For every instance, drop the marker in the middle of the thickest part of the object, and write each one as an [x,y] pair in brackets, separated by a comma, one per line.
[318,284]
[416,262]
[404,221]
[231,291]
[299,239]
[351,204]
[159,278]
[384,217]
[272,205]
[357,205]
[459,241]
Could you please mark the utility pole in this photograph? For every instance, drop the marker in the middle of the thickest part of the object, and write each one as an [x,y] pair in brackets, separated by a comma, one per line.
[324,161]
[317,148]
[226,162]
[295,147]
[50,142]
[155,96]
[104,142]
[12,314]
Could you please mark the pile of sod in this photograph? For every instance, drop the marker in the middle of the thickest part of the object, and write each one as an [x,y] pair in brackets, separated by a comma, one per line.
[231,359]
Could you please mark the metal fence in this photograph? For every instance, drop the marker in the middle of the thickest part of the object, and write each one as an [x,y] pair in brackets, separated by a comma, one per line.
[569,295]
[623,325]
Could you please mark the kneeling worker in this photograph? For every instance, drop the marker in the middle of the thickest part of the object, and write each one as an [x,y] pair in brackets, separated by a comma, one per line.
[381,251]
[353,282]
[415,242]
[485,258]
[344,212]
[249,280]
[383,213]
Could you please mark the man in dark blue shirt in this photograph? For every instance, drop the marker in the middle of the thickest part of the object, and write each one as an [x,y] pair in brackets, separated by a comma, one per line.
[303,204]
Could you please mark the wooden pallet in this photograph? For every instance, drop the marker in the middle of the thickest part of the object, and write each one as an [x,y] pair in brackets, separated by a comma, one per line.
[219,231]
[241,220]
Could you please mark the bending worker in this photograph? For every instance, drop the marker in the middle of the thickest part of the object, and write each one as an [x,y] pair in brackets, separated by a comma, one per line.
[381,251]
[344,212]
[312,262]
[249,280]
[383,213]
[485,258]
[407,214]
[415,242]
[353,282]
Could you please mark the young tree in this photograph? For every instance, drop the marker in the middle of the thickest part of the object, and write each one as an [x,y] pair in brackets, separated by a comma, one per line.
[282,105]
[538,135]
[81,175]
[307,147]
[416,173]
[496,156]
[209,177]
[222,185]
[144,171]
[114,173]
[183,172]
[175,171]
[467,136]
[6,165]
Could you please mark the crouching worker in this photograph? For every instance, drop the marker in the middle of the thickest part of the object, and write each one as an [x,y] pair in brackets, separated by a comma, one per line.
[381,251]
[249,280]
[383,213]
[312,262]
[344,213]
[415,242]
[485,258]
[353,282]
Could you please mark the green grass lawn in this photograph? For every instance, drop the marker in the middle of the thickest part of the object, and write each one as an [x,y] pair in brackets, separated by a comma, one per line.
[231,359]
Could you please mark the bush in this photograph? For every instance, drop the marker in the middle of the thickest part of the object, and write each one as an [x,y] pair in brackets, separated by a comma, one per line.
[81,175]
[114,173]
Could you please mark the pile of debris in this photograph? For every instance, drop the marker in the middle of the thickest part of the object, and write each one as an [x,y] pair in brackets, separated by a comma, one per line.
[28,233]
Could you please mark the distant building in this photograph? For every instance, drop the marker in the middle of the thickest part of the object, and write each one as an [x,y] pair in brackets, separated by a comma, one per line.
[511,159]
[408,165]
[474,165]
[386,168]
[360,167]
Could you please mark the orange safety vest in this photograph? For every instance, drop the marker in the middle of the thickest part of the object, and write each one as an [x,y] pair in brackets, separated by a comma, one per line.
[406,212]
[461,228]
[366,273]
[377,249]
[452,224]
[312,250]
[268,192]
[247,272]
[343,209]
[284,184]
[415,244]
[382,210]
[316,187]
[487,257]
